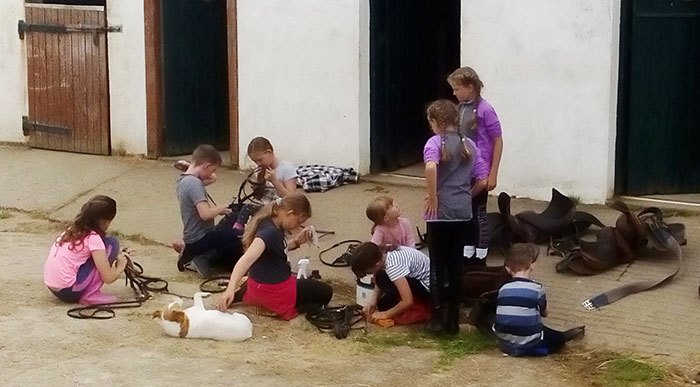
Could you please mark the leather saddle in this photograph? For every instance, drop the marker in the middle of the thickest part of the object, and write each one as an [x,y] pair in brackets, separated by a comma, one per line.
[559,219]
[620,245]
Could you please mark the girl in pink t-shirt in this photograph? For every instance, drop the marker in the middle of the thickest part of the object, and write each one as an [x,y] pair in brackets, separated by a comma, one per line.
[82,259]
[389,227]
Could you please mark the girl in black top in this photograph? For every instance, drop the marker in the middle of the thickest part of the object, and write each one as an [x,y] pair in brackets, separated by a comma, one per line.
[270,282]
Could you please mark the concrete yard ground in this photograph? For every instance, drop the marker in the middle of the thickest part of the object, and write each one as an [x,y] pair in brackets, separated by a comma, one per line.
[40,345]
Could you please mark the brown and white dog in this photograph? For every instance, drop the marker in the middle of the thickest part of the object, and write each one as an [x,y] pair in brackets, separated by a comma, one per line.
[198,323]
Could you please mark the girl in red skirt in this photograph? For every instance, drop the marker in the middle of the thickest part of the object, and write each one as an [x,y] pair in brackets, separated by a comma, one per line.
[270,281]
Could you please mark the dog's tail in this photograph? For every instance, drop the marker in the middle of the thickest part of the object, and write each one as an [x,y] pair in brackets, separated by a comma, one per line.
[198,303]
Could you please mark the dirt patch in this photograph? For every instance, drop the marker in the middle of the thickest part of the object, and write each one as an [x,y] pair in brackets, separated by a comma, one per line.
[41,345]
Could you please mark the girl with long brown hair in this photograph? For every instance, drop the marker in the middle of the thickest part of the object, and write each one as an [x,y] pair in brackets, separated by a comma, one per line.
[83,258]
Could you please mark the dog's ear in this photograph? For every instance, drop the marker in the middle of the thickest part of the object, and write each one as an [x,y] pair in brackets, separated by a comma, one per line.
[184,322]
[179,317]
[157,314]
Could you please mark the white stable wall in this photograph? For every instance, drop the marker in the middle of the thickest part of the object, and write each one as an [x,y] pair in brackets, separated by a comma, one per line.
[13,72]
[550,69]
[303,70]
[127,76]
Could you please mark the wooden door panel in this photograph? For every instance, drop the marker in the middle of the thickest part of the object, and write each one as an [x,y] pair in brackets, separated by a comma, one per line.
[67,78]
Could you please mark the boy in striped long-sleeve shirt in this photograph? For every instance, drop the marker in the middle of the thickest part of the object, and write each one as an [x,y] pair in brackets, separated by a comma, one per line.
[520,306]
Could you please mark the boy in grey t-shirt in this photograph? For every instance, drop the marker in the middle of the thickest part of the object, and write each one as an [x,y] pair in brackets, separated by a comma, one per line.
[207,248]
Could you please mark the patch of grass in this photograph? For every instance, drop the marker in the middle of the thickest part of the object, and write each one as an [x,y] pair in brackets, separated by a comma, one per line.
[629,372]
[5,214]
[611,369]
[450,348]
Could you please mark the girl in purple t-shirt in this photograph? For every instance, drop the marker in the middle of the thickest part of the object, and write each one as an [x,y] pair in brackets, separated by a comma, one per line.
[479,122]
[451,163]
[82,259]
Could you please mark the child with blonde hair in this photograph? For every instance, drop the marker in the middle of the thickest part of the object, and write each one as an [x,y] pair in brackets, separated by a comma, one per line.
[478,121]
[271,284]
[389,228]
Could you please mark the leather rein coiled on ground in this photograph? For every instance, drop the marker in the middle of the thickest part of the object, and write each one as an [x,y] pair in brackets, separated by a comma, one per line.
[143,287]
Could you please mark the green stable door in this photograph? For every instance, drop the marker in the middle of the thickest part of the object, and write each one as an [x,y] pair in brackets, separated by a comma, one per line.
[195,75]
[659,131]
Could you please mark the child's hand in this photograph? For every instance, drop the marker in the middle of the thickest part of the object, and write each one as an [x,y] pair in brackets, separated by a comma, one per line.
[122,261]
[368,309]
[222,210]
[431,205]
[226,298]
[492,181]
[305,235]
[378,316]
[270,175]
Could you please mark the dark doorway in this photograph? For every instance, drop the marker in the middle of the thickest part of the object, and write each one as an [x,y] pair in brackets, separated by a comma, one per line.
[658,145]
[414,45]
[195,75]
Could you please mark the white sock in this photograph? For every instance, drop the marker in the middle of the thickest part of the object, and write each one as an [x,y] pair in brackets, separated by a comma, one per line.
[469,251]
[482,253]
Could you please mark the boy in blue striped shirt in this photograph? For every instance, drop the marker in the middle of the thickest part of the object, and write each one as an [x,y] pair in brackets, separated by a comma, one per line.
[520,306]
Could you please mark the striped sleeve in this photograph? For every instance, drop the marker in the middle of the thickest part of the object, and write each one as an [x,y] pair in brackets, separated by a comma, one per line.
[542,299]
[397,264]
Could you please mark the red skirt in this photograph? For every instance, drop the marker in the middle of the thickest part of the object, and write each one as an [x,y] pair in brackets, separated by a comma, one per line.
[280,298]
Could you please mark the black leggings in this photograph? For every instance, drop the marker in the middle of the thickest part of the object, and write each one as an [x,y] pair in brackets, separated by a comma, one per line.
[312,294]
[224,246]
[446,241]
[479,229]
[390,294]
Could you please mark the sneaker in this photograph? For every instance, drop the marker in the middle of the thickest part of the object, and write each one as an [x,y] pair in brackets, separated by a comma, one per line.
[182,261]
[201,265]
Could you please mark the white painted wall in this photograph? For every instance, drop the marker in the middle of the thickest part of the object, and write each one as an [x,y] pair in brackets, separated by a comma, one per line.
[550,70]
[127,76]
[13,72]
[304,79]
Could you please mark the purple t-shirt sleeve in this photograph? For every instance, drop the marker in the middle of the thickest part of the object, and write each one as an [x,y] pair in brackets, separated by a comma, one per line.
[491,122]
[431,151]
[480,170]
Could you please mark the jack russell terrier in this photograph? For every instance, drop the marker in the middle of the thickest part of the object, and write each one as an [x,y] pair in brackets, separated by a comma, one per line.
[198,323]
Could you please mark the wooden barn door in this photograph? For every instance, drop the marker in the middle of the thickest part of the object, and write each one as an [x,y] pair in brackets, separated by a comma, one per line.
[67,78]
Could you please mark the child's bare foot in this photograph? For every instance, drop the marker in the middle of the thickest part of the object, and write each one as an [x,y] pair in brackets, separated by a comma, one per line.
[182,165]
[178,246]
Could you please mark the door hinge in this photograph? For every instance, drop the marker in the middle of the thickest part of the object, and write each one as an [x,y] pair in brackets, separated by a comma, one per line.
[28,127]
[23,27]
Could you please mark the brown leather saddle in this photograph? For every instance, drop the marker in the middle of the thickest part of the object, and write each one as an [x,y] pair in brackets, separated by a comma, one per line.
[620,245]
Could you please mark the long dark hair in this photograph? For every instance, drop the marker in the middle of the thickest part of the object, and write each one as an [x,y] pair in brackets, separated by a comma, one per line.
[366,256]
[96,210]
